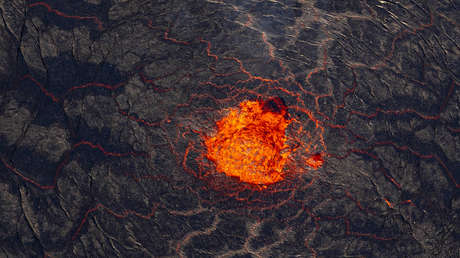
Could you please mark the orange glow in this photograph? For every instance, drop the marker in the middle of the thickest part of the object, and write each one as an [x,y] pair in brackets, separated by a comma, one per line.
[315,161]
[250,143]
[389,203]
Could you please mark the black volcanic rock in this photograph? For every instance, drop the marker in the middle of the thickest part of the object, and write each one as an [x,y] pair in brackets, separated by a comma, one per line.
[104,106]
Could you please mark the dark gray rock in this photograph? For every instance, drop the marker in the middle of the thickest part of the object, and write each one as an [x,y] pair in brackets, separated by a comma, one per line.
[103,105]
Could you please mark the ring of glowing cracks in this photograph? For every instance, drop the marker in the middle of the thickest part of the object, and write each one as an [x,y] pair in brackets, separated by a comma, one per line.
[250,143]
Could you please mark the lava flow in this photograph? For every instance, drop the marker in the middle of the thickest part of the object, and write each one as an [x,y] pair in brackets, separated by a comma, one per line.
[251,142]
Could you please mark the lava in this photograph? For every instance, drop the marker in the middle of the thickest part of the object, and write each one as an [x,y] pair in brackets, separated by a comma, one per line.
[315,161]
[251,142]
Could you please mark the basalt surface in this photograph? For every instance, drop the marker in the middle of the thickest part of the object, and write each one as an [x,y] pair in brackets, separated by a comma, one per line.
[106,105]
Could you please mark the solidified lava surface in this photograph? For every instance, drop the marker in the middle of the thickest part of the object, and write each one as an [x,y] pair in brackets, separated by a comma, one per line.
[229,128]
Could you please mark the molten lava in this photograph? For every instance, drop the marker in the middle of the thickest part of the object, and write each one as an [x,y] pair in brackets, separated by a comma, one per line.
[315,161]
[250,142]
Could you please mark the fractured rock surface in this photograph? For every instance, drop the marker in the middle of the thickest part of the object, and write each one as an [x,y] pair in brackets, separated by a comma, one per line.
[103,102]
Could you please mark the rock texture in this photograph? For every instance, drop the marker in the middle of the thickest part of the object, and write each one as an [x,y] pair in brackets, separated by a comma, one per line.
[104,103]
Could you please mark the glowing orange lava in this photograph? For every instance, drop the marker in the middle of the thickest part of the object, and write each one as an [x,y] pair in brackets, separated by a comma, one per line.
[250,143]
[315,161]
